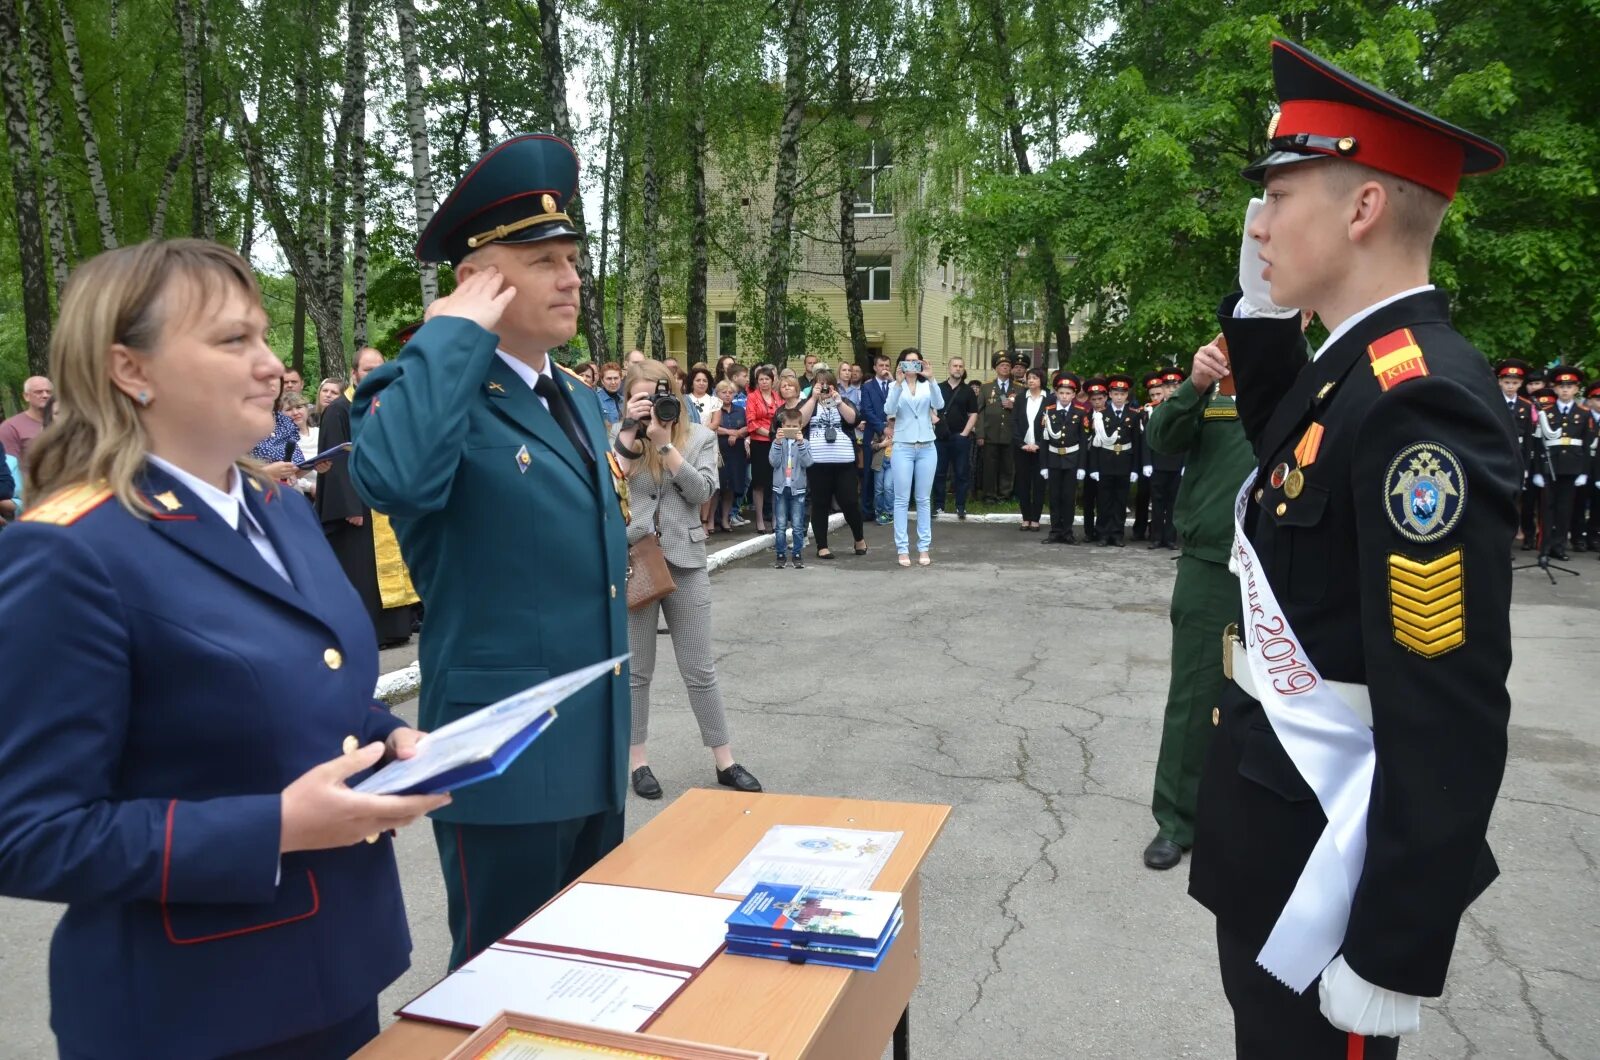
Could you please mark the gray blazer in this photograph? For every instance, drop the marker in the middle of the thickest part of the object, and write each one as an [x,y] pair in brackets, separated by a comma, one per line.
[673,506]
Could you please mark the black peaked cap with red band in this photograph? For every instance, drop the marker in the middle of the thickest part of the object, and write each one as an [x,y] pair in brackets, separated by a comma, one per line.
[518,192]
[1512,367]
[1327,113]
[1565,375]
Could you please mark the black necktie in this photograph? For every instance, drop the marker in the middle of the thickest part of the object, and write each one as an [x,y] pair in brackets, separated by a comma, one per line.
[546,388]
[243,528]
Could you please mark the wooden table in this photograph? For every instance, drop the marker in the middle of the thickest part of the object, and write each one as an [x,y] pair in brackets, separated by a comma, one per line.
[791,1012]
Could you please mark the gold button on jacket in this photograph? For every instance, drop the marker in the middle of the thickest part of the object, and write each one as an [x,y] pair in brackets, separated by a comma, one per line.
[332,658]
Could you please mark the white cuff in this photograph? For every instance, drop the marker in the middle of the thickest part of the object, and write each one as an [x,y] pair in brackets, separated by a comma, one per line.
[1246,308]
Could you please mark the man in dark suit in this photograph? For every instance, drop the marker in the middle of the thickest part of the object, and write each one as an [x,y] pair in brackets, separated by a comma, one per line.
[1342,813]
[874,392]
[492,462]
[994,432]
[346,519]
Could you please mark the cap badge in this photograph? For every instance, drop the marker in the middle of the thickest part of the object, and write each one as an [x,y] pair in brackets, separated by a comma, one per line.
[548,202]
[1272,124]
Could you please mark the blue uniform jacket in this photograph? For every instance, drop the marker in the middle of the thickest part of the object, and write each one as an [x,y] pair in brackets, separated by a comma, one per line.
[516,546]
[167,684]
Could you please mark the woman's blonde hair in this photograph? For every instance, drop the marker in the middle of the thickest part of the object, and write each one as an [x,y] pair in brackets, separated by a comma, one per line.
[120,296]
[653,372]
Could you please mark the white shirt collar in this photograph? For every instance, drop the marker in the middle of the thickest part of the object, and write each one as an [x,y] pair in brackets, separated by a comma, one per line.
[1351,321]
[525,371]
[1564,408]
[227,505]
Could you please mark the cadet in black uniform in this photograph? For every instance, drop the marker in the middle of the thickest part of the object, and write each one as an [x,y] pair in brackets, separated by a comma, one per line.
[1564,432]
[1116,454]
[1095,395]
[1164,470]
[1364,737]
[1511,373]
[1153,382]
[1064,432]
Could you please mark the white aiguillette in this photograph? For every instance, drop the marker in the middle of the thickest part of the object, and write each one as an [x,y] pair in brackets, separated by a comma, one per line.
[482,744]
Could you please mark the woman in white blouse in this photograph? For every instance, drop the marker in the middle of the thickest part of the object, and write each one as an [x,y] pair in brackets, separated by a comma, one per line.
[913,400]
[294,407]
[1024,437]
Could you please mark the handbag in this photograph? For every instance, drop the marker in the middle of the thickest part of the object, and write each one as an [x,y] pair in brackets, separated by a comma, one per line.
[648,577]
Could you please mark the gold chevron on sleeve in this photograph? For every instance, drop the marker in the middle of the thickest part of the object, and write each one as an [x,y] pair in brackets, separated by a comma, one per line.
[1427,604]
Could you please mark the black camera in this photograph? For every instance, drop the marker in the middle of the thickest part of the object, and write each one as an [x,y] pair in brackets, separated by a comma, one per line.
[664,406]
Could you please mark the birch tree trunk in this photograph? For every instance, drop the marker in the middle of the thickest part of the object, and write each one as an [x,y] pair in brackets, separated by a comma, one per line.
[169,180]
[193,117]
[417,122]
[358,176]
[350,130]
[603,279]
[700,225]
[555,92]
[624,195]
[652,201]
[47,121]
[30,238]
[91,141]
[784,181]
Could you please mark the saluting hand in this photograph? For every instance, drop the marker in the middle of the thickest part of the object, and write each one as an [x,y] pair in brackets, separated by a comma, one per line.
[480,298]
[321,812]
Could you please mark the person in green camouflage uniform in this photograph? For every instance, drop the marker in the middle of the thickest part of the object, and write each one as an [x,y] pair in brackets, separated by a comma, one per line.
[1199,420]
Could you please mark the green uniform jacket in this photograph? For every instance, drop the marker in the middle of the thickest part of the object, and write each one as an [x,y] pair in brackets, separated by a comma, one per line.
[994,419]
[1219,457]
[518,551]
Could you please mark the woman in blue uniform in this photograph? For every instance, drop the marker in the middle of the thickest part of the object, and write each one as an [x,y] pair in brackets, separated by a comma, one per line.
[177,772]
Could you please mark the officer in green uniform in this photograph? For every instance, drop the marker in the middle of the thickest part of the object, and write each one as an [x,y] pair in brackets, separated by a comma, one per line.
[491,461]
[995,454]
[1199,420]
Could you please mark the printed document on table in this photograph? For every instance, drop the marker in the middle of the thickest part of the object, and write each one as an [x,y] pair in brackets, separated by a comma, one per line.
[848,858]
[478,735]
[517,980]
[630,924]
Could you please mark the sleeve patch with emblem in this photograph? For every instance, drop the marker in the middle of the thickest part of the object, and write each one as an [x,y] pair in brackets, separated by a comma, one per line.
[1396,357]
[1426,603]
[1424,492]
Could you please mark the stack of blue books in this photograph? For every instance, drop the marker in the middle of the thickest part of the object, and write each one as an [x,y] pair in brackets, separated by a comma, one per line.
[816,925]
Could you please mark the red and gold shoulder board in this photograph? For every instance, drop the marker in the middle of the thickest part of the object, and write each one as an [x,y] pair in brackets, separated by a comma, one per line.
[69,505]
[1396,357]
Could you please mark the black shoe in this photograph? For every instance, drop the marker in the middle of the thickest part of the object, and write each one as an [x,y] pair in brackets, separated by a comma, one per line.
[1162,854]
[1579,546]
[799,564]
[779,564]
[737,776]
[1560,554]
[961,513]
[1527,545]
[1105,542]
[1117,542]
[645,784]
[1152,546]
[1069,538]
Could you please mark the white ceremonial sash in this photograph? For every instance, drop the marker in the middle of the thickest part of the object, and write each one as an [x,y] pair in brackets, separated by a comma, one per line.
[1333,750]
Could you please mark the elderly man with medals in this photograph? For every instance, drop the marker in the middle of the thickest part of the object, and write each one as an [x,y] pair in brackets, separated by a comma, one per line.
[1342,813]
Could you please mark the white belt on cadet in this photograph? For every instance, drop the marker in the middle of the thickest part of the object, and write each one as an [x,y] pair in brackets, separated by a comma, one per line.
[1331,746]
[1236,664]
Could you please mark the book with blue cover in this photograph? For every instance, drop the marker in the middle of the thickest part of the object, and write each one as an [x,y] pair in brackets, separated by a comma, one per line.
[802,914]
[819,953]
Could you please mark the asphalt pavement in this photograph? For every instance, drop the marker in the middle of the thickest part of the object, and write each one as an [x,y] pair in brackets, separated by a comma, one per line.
[1023,684]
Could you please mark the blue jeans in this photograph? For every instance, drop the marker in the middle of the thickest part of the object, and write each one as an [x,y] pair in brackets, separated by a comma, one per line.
[913,469]
[883,490]
[788,515]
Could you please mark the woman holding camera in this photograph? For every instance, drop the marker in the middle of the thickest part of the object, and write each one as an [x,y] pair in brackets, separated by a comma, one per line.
[830,421]
[913,400]
[671,465]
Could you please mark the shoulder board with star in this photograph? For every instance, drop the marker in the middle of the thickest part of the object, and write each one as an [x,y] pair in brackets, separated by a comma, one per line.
[1396,358]
[69,505]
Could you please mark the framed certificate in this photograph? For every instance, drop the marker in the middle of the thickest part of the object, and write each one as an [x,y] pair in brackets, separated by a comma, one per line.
[512,1036]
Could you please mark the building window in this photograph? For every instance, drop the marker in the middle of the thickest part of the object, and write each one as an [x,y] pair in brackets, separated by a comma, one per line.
[875,167]
[872,279]
[944,274]
[1024,311]
[727,333]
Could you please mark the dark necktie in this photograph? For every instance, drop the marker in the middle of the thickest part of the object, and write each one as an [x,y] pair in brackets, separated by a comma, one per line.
[244,528]
[546,388]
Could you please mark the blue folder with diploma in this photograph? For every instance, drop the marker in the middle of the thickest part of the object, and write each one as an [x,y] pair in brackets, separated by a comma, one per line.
[326,454]
[482,744]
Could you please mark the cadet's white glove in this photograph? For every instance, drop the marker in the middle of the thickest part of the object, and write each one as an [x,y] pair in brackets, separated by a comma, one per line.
[1257,300]
[1581,480]
[1044,472]
[1095,475]
[1133,476]
[1149,469]
[1352,1004]
[1538,480]
[1081,474]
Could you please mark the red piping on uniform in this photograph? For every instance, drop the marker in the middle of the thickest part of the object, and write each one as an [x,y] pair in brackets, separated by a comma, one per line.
[466,895]
[1356,1047]
[166,915]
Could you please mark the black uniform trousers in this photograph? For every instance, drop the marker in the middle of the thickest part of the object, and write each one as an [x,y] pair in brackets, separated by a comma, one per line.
[1163,498]
[1555,514]
[1030,487]
[838,484]
[1584,516]
[1063,488]
[1532,500]
[999,470]
[1112,503]
[1143,497]
[1091,507]
[1271,1022]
